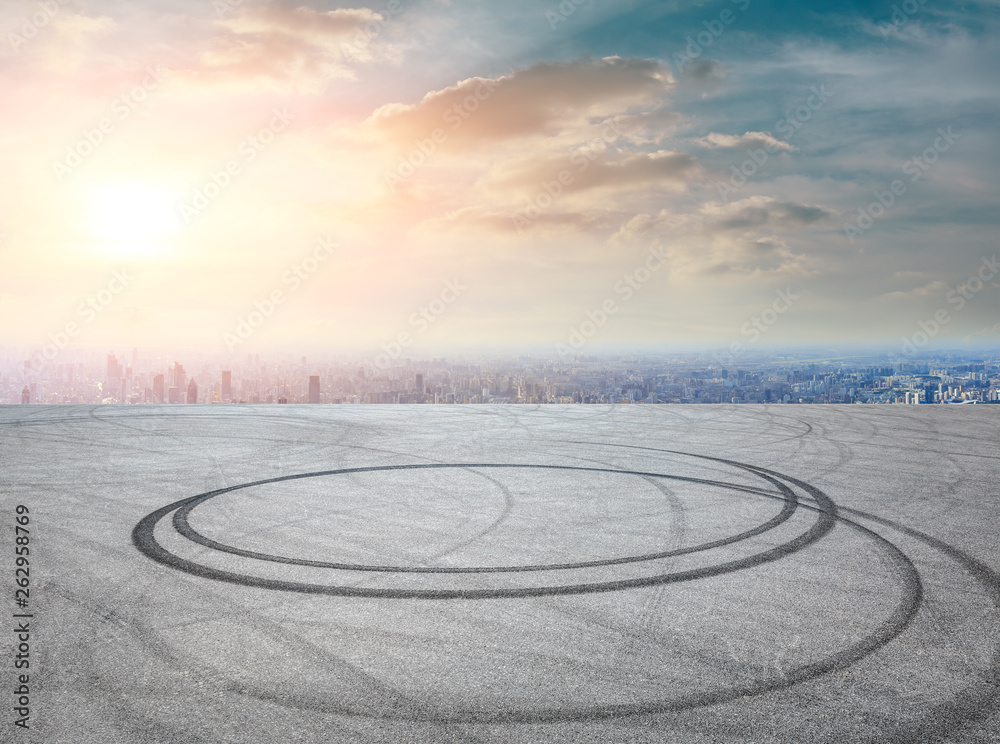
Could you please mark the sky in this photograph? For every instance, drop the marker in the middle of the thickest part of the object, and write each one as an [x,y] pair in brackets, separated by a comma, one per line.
[245,175]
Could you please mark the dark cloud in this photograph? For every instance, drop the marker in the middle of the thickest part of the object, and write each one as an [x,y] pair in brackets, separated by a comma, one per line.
[774,214]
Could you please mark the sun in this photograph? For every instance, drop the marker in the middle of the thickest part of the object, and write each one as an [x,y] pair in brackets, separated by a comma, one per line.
[131,218]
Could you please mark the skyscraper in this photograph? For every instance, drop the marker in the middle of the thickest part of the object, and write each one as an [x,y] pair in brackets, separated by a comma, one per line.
[192,391]
[25,395]
[114,368]
[158,389]
[227,384]
[178,378]
[314,389]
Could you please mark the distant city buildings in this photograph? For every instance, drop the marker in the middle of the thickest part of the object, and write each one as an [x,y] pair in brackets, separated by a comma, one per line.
[633,380]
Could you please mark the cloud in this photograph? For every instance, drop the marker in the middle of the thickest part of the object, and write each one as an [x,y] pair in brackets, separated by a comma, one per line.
[936,288]
[694,252]
[539,100]
[763,255]
[715,140]
[62,45]
[760,211]
[581,125]
[303,23]
[281,42]
[477,219]
[705,72]
[586,170]
[737,238]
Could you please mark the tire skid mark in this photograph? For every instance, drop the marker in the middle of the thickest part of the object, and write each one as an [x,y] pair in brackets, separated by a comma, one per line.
[144,539]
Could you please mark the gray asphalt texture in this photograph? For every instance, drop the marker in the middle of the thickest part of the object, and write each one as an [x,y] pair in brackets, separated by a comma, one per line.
[506,573]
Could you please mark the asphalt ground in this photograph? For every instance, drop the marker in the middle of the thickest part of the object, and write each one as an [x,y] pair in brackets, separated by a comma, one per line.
[504,573]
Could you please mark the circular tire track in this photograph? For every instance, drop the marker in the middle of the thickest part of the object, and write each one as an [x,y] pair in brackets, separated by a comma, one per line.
[828,516]
[144,539]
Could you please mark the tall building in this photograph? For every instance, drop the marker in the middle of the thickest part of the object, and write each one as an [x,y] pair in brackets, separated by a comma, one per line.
[158,389]
[192,391]
[25,395]
[420,383]
[114,368]
[314,389]
[227,384]
[178,378]
[114,387]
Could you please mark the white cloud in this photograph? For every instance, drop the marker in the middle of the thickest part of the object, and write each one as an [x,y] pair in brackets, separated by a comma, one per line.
[750,139]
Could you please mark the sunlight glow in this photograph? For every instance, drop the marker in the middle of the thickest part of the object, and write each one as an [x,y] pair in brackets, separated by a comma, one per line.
[131,219]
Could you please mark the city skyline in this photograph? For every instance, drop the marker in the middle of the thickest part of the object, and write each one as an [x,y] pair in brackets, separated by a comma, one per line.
[553,178]
[148,378]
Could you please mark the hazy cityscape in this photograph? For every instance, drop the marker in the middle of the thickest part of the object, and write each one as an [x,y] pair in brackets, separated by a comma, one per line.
[140,377]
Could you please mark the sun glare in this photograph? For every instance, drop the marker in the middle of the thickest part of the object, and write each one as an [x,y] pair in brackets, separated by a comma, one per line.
[131,219]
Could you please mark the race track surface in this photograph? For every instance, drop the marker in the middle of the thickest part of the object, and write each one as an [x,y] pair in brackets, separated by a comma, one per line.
[506,573]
